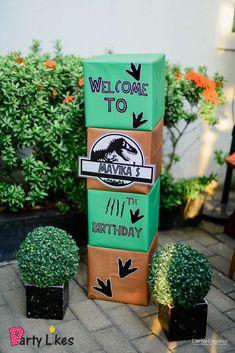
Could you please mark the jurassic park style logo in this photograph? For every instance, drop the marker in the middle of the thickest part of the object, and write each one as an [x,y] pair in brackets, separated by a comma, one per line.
[117,161]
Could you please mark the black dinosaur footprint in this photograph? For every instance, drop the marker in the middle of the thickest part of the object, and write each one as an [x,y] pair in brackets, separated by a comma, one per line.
[137,121]
[125,270]
[104,288]
[135,216]
[135,72]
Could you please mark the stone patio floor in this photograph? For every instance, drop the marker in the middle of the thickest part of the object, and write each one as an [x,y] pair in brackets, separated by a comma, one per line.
[100,326]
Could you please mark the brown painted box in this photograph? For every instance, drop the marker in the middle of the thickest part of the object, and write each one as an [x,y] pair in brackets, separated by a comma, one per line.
[119,275]
[150,143]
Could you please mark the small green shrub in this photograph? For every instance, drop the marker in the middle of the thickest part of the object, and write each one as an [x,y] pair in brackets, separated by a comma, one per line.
[179,275]
[48,257]
[178,192]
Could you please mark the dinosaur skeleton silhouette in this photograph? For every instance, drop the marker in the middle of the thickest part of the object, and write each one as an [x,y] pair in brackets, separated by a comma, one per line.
[116,147]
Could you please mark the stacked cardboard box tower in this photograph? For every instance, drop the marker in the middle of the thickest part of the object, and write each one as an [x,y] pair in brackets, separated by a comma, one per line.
[124,107]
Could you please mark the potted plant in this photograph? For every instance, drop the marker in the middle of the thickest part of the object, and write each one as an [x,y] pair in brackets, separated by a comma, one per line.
[179,279]
[48,258]
[192,99]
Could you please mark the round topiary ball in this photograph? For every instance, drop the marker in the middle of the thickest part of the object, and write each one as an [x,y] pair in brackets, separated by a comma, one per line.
[179,275]
[48,257]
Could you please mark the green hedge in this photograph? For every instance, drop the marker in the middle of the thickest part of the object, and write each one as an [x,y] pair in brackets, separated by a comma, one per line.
[42,130]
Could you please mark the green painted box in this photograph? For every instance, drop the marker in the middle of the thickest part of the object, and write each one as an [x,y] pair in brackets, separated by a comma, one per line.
[123,221]
[124,91]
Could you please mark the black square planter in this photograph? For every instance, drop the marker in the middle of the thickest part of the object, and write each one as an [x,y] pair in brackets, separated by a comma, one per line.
[183,324]
[47,303]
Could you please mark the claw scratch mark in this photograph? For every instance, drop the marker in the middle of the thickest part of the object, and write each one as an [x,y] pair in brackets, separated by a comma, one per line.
[123,205]
[112,206]
[117,208]
[107,206]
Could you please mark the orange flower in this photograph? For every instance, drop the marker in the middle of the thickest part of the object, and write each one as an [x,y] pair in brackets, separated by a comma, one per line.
[199,80]
[81,82]
[210,95]
[209,92]
[53,93]
[68,99]
[50,64]
[19,60]
[178,75]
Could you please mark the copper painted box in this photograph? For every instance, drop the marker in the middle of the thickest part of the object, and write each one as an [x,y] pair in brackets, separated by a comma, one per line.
[115,152]
[119,275]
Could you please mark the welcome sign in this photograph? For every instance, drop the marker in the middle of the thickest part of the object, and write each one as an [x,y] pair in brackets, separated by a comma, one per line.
[124,91]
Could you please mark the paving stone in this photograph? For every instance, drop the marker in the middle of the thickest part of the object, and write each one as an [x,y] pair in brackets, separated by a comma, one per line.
[90,315]
[230,335]
[83,341]
[215,342]
[222,250]
[15,267]
[8,278]
[143,311]
[222,282]
[201,236]
[164,239]
[54,349]
[217,320]
[232,295]
[76,293]
[189,347]
[113,341]
[220,263]
[131,322]
[211,228]
[16,301]
[106,305]
[5,347]
[128,322]
[150,344]
[231,314]
[2,302]
[206,251]
[220,300]
[178,235]
[224,238]
[81,275]
[7,320]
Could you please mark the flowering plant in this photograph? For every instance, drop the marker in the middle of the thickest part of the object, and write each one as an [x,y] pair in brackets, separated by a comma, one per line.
[42,130]
[191,97]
